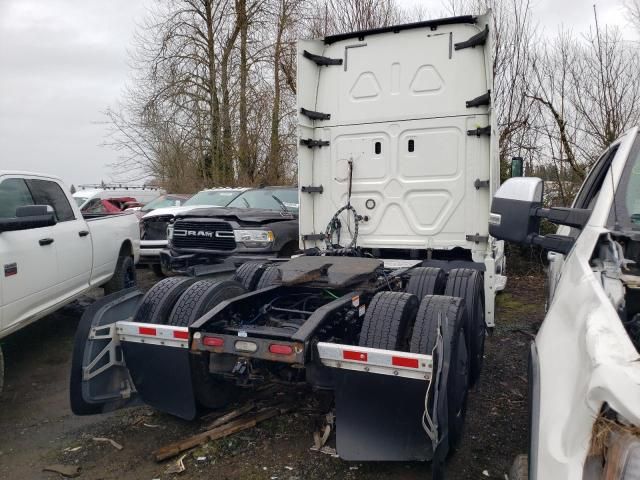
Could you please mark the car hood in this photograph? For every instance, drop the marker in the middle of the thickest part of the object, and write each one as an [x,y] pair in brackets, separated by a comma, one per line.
[257,215]
[159,212]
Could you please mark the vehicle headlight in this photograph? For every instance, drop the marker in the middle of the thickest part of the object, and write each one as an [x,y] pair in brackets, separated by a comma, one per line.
[169,232]
[254,238]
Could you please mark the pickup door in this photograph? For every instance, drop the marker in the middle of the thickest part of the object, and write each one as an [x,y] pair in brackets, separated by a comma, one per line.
[71,236]
[29,260]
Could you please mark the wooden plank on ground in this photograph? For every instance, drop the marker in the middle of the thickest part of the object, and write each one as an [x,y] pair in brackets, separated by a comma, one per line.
[230,428]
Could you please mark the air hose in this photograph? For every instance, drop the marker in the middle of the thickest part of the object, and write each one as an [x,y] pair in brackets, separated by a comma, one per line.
[334,226]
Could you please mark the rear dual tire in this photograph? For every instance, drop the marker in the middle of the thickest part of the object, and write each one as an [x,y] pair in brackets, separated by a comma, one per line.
[180,301]
[468,284]
[387,321]
[397,321]
[449,313]
[426,281]
[196,301]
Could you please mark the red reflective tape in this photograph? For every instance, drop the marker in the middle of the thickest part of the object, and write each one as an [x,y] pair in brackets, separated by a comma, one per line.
[405,362]
[181,335]
[147,331]
[358,356]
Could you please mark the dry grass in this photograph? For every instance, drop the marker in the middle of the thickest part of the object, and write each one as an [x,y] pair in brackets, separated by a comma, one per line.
[603,428]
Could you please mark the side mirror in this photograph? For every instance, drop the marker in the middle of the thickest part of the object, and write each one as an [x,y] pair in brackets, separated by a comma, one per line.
[27,217]
[516,211]
[512,216]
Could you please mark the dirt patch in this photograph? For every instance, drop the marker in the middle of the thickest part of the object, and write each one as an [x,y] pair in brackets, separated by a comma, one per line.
[39,429]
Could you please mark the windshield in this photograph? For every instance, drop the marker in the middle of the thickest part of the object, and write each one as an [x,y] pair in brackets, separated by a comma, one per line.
[162,202]
[627,201]
[269,199]
[81,200]
[214,198]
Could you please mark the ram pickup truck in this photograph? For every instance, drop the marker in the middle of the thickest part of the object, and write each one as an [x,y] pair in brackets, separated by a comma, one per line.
[261,222]
[584,365]
[153,226]
[51,254]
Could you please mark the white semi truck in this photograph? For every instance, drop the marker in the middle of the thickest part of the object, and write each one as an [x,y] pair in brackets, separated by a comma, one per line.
[389,305]
[51,253]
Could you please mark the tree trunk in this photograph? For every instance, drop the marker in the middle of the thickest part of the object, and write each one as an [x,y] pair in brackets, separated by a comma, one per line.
[245,174]
[273,171]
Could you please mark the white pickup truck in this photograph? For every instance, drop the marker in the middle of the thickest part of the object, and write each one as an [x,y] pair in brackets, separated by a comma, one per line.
[584,365]
[51,254]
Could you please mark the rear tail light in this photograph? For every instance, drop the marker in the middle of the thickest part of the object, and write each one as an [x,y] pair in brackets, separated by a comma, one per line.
[212,341]
[280,349]
[245,346]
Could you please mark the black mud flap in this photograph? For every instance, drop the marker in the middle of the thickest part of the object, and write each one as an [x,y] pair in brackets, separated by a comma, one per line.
[100,381]
[107,375]
[162,376]
[379,418]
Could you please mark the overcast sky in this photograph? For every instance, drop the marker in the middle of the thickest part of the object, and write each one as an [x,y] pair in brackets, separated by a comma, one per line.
[63,62]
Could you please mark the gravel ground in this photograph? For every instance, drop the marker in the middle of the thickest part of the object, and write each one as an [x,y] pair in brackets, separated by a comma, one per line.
[38,428]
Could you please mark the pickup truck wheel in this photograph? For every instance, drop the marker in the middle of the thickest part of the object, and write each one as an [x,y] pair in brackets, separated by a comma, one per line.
[423,340]
[198,299]
[467,284]
[158,302]
[426,281]
[387,321]
[1,370]
[269,277]
[248,274]
[123,277]
[201,297]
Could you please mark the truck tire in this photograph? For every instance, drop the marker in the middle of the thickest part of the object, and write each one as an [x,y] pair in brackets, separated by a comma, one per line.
[1,370]
[426,281]
[520,468]
[201,297]
[388,320]
[423,340]
[248,274]
[269,277]
[198,299]
[123,277]
[157,303]
[468,285]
